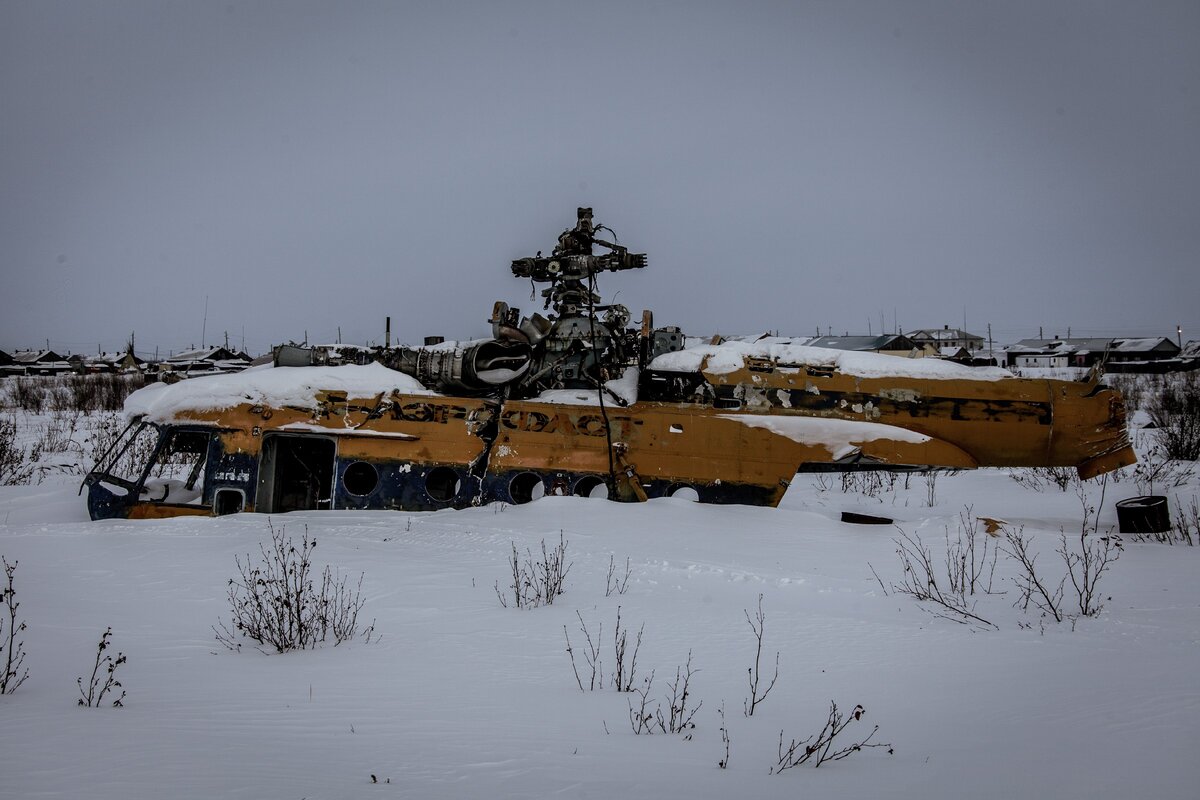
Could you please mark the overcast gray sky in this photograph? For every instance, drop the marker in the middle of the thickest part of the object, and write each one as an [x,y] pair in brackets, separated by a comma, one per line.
[786,165]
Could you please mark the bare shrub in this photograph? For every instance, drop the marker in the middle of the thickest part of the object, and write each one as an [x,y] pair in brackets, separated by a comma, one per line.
[645,716]
[931,477]
[12,650]
[1039,478]
[923,578]
[15,466]
[102,392]
[1175,412]
[537,583]
[724,762]
[626,663]
[27,394]
[1133,387]
[1032,586]
[1156,466]
[970,569]
[57,434]
[1085,566]
[641,718]
[870,483]
[1087,563]
[591,656]
[616,583]
[819,748]
[104,676]
[757,626]
[1187,523]
[679,713]
[624,674]
[280,603]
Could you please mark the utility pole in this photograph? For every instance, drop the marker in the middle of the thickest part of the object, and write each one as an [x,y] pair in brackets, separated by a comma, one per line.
[1179,336]
[204,327]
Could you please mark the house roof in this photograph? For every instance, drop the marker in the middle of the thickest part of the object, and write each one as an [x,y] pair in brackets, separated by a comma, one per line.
[1159,344]
[35,356]
[889,341]
[207,354]
[108,358]
[942,335]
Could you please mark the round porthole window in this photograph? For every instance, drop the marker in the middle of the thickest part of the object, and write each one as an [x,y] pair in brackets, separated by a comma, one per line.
[526,487]
[591,486]
[684,492]
[360,478]
[442,484]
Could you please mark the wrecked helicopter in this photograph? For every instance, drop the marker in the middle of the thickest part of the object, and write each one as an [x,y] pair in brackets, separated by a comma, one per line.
[581,401]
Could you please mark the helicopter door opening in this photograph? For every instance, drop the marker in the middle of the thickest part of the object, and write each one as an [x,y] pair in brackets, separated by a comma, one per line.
[295,473]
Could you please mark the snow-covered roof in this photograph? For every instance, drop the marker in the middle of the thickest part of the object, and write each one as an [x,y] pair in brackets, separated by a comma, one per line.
[1144,345]
[270,386]
[731,356]
[108,358]
[889,341]
[943,334]
[35,356]
[1095,345]
[207,354]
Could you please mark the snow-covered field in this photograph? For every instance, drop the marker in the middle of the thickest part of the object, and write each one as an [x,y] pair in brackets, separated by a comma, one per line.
[461,697]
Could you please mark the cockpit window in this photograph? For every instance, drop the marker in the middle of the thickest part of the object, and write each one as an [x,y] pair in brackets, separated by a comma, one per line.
[177,474]
[125,461]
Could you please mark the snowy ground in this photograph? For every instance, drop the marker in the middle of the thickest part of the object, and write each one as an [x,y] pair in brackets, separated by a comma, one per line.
[463,698]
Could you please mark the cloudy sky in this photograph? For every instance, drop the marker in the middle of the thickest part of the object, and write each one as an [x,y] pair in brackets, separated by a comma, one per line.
[792,166]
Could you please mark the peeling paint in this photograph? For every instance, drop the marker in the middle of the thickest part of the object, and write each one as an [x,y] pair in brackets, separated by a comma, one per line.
[900,395]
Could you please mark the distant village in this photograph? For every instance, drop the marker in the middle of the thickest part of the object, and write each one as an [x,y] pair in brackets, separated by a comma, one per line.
[1127,355]
[192,363]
